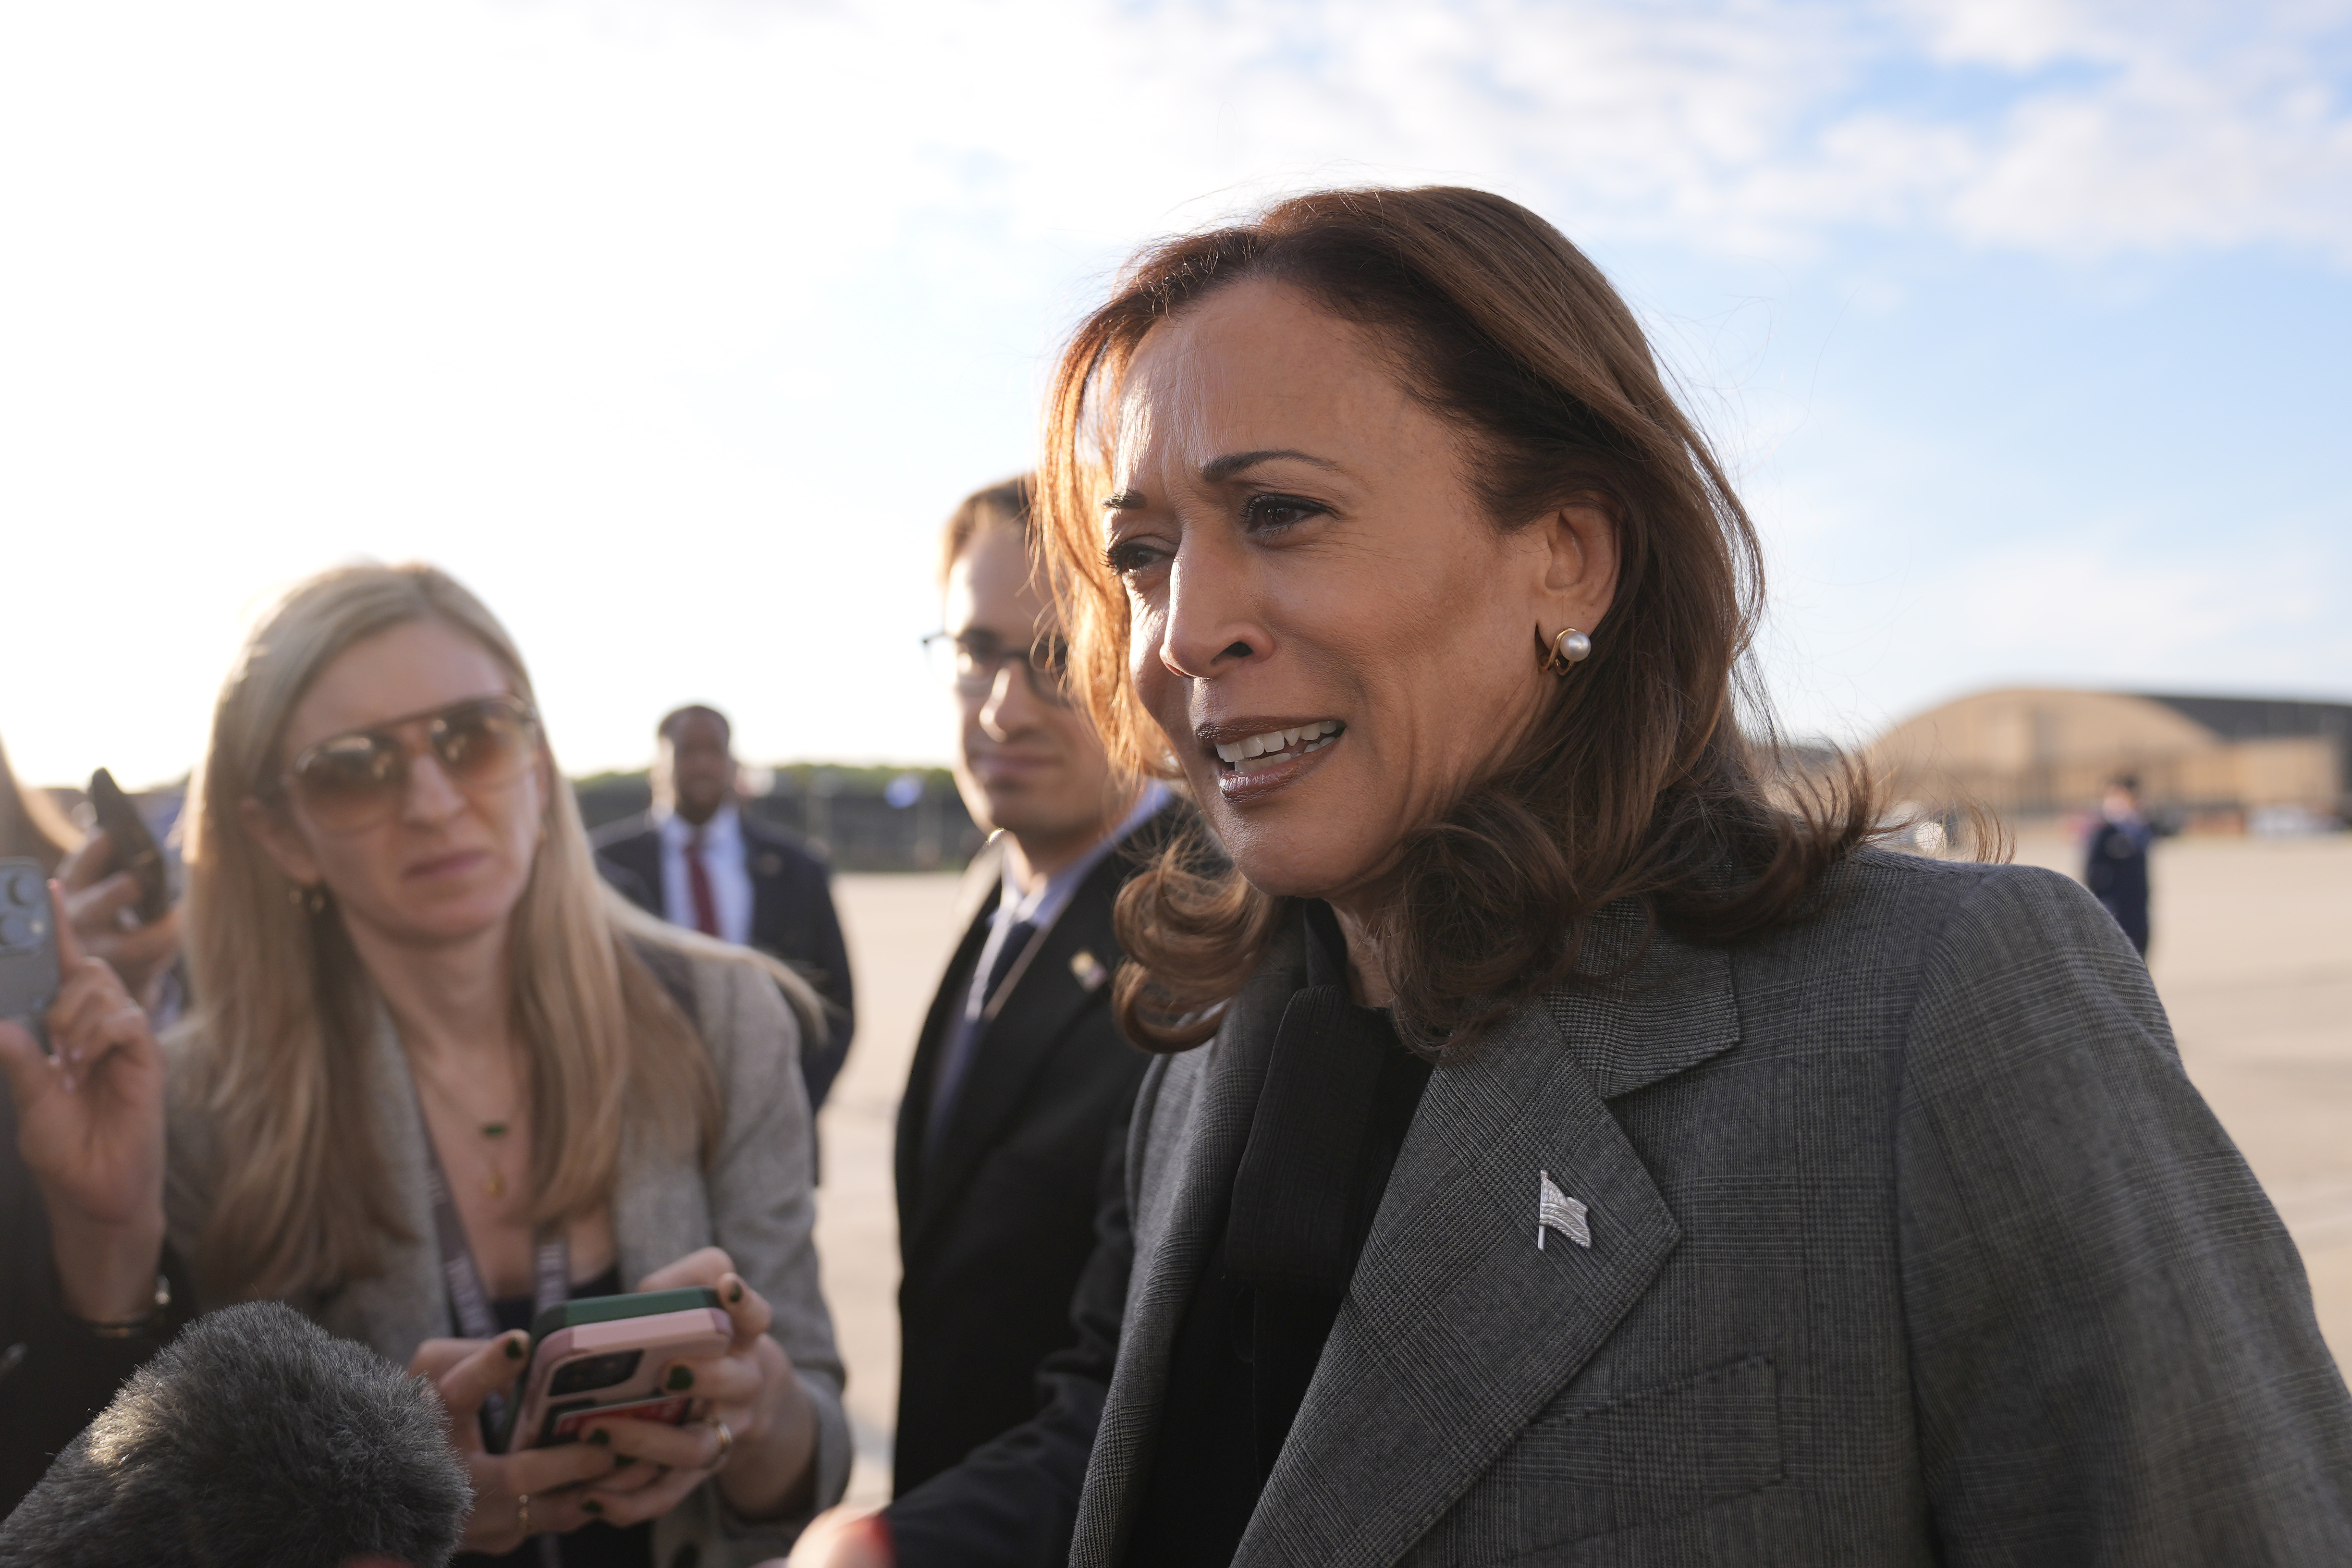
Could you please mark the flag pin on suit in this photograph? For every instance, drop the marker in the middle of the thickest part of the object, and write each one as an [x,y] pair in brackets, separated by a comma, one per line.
[1555,1210]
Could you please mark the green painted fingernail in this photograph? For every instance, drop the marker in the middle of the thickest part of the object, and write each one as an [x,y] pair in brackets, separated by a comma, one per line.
[600,1436]
[737,1293]
[680,1379]
[623,1461]
[589,1505]
[514,1349]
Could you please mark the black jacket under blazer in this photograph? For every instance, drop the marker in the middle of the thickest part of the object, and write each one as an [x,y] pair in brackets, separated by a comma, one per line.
[792,918]
[996,1226]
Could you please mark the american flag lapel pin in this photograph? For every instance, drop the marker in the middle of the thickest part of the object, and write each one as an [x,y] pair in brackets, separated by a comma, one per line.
[1089,968]
[1555,1210]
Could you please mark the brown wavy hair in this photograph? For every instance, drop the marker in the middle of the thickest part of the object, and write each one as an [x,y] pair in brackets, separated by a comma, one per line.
[1638,782]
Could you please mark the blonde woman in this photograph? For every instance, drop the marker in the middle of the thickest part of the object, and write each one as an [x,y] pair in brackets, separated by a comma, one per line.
[411,986]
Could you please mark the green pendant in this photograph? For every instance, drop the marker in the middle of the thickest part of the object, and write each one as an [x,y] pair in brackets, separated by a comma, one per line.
[494,1128]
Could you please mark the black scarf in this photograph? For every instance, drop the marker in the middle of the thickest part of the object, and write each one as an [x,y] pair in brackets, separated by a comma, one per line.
[1339,1094]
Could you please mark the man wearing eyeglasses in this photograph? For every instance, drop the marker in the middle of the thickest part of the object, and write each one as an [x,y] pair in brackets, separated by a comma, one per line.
[1022,1083]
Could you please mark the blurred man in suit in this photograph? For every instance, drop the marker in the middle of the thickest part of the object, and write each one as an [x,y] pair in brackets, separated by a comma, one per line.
[1022,1082]
[2115,861]
[698,859]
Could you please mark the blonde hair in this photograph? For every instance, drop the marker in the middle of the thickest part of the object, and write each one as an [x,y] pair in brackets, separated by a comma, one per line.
[278,1040]
[30,824]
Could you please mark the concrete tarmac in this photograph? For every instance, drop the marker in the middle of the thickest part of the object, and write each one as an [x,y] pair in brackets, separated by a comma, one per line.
[2253,955]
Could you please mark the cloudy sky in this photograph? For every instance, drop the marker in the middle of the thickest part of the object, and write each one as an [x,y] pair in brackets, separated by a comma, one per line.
[675,328]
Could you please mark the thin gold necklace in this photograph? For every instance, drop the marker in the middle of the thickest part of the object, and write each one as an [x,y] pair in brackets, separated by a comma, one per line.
[493,1134]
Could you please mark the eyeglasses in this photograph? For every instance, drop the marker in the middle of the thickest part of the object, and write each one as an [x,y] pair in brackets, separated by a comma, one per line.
[968,661]
[354,781]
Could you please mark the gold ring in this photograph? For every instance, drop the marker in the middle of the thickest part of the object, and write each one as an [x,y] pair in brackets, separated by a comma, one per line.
[522,1513]
[725,1443]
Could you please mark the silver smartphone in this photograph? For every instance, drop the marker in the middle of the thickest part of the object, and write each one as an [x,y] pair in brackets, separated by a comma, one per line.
[28,947]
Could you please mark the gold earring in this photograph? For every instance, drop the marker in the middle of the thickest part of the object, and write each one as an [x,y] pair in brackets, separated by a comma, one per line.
[1569,649]
[311,900]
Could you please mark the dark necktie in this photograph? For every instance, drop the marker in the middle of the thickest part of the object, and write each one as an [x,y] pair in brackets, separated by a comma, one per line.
[698,884]
[956,1063]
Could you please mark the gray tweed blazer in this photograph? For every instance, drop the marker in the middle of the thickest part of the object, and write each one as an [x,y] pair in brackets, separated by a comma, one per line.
[1909,1244]
[754,1201]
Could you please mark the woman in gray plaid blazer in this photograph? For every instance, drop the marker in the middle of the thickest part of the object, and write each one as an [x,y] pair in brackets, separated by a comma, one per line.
[1772,1198]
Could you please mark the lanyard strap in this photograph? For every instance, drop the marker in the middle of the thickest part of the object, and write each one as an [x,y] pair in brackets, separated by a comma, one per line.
[1010,967]
[551,1269]
[551,1260]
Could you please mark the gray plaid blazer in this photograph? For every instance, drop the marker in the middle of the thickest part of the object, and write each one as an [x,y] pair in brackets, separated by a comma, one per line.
[1910,1243]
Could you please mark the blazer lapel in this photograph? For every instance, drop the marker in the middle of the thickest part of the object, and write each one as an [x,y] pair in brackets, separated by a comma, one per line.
[915,1104]
[1049,995]
[983,880]
[408,1302]
[1458,1328]
[1015,1047]
[763,867]
[1192,1145]
[640,856]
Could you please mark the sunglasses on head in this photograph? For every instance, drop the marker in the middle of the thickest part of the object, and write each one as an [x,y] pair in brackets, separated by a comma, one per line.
[359,778]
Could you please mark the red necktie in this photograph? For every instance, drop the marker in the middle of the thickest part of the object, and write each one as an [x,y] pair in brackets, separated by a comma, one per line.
[698,883]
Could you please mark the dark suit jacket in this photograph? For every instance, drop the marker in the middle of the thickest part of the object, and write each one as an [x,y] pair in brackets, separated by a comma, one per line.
[792,917]
[997,1223]
[1907,1242]
[2116,870]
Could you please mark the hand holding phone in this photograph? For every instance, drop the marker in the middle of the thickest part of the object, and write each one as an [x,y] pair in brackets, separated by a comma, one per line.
[753,1427]
[134,849]
[89,1107]
[118,894]
[611,1356]
[516,1496]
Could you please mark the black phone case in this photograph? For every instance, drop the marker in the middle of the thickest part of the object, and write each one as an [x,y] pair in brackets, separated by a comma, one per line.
[135,849]
[29,946]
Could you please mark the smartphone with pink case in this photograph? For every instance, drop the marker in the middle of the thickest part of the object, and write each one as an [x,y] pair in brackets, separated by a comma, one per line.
[604,1358]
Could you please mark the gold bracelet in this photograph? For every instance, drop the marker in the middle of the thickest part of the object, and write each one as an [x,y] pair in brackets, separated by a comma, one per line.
[131,1328]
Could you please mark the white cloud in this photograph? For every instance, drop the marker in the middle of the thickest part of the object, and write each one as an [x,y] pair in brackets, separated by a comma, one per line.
[1867,631]
[576,297]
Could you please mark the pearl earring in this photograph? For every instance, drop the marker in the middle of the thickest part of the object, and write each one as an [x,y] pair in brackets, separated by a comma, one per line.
[1570,649]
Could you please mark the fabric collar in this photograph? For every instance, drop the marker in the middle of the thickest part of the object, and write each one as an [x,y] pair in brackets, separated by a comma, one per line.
[722,834]
[1042,904]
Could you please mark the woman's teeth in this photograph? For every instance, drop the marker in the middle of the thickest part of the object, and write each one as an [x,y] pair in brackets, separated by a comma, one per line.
[1258,751]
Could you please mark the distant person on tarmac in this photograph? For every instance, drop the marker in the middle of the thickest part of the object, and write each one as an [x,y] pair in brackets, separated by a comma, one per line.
[2115,866]
[698,859]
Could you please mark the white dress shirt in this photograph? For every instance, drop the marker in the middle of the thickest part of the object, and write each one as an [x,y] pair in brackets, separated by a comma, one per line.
[723,861]
[1043,904]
